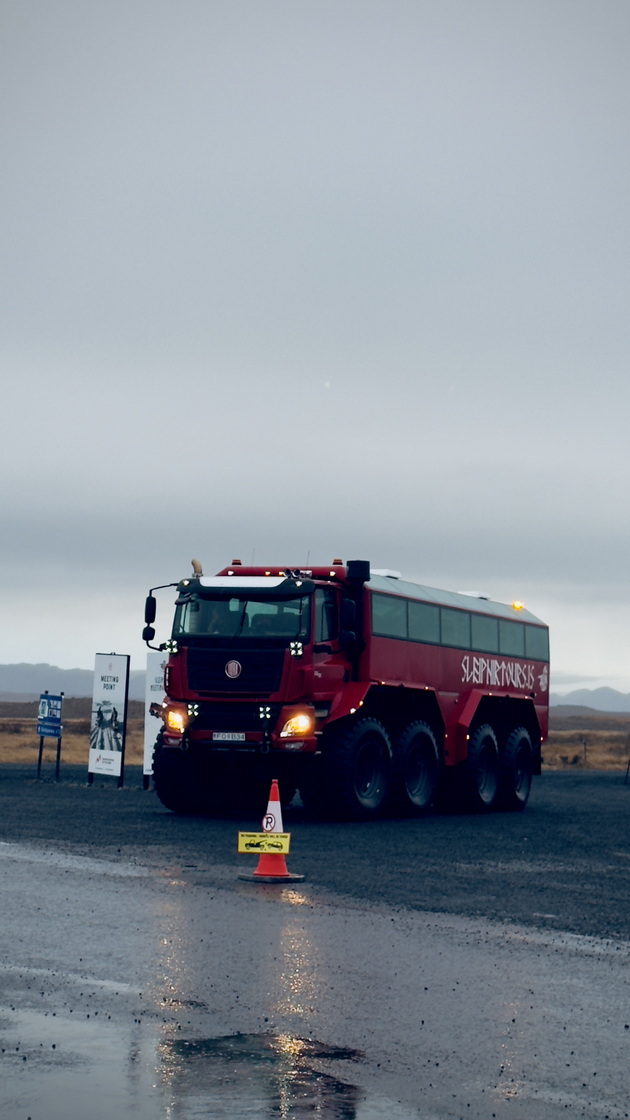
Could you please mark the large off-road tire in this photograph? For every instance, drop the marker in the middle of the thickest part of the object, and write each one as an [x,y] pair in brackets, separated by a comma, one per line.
[356,770]
[178,780]
[479,774]
[516,769]
[417,759]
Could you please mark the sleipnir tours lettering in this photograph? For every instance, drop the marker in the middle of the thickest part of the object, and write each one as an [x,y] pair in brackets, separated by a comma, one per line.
[488,670]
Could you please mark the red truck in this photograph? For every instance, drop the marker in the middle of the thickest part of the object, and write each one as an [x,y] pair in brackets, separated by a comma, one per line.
[364,691]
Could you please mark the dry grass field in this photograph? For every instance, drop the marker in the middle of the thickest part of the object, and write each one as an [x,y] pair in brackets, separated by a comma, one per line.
[19,742]
[587,750]
[585,739]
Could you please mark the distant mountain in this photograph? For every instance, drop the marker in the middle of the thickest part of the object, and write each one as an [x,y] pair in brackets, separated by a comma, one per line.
[601,699]
[30,681]
[25,681]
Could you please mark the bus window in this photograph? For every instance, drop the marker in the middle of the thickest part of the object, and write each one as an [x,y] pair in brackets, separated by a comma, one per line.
[511,638]
[389,616]
[485,633]
[424,622]
[537,643]
[455,628]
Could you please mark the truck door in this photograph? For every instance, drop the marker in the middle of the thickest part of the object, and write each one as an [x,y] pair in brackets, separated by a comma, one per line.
[329,663]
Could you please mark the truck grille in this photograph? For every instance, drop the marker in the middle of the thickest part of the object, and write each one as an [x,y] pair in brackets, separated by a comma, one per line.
[233,717]
[259,675]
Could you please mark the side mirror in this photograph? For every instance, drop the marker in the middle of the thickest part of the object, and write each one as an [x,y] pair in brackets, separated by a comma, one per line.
[348,614]
[148,634]
[347,638]
[150,609]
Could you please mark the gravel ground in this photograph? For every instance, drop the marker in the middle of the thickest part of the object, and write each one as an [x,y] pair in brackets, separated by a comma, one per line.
[434,969]
[563,864]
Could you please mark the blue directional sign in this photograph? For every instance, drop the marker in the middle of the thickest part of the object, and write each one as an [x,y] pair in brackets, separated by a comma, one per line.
[49,716]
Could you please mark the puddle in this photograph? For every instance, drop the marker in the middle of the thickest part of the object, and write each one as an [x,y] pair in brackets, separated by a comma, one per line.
[263,1077]
[257,1076]
[61,1069]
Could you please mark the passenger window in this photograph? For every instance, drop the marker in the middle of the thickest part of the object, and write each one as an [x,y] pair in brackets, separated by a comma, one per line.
[537,643]
[326,615]
[389,616]
[485,633]
[512,638]
[455,628]
[424,622]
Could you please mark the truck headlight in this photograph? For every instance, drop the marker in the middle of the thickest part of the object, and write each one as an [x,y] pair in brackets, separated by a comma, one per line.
[175,720]
[301,723]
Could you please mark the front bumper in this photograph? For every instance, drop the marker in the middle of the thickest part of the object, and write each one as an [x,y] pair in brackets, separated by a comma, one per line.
[238,727]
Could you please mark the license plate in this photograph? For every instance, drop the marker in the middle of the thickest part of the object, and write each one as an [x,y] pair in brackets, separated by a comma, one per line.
[228,736]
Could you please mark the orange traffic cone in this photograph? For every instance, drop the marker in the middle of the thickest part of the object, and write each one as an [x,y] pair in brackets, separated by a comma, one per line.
[272,866]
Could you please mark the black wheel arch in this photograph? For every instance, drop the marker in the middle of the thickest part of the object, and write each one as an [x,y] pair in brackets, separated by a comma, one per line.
[504,714]
[398,706]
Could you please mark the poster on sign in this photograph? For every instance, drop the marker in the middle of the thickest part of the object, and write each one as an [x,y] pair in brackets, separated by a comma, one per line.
[49,716]
[154,695]
[109,714]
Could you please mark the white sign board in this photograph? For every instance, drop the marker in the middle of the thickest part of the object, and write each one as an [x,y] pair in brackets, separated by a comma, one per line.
[109,712]
[154,695]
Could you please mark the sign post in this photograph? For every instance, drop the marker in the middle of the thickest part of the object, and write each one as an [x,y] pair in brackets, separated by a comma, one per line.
[154,695]
[109,716]
[49,726]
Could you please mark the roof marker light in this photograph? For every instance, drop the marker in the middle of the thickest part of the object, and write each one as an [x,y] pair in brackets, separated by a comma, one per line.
[517,605]
[338,562]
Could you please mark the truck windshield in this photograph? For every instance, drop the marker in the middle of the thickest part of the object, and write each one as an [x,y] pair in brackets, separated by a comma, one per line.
[243,617]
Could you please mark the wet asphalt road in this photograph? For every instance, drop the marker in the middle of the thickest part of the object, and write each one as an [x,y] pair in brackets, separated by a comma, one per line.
[562,864]
[446,967]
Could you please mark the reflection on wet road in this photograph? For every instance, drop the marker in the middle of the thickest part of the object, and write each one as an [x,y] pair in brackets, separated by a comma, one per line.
[255,1075]
[131,992]
[90,1070]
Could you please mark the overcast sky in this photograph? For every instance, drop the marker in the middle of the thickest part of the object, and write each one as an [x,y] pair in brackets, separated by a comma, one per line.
[293,279]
